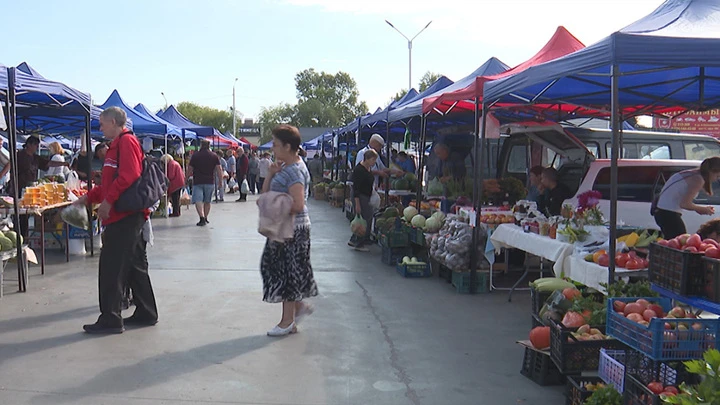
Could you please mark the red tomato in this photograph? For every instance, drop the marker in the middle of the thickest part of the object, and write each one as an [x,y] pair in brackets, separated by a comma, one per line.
[711,242]
[633,264]
[694,240]
[713,252]
[662,242]
[668,393]
[655,387]
[673,243]
[645,263]
[632,254]
[682,239]
[691,249]
[672,389]
[604,260]
[621,259]
[704,246]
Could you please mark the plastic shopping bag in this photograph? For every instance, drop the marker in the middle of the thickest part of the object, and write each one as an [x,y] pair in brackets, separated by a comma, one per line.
[358,226]
[73,181]
[245,188]
[375,199]
[185,197]
[75,215]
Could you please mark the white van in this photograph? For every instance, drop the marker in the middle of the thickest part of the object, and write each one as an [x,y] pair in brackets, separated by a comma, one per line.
[639,180]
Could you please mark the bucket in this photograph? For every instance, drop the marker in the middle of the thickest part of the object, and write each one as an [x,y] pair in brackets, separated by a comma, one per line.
[76,247]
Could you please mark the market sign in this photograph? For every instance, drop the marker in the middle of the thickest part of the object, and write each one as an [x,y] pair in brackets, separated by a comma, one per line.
[692,122]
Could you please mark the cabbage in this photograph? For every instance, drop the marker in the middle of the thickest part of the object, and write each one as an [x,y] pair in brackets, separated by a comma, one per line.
[439,215]
[435,187]
[433,224]
[418,221]
[409,213]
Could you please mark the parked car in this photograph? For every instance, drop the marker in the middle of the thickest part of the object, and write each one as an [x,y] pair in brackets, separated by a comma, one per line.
[639,180]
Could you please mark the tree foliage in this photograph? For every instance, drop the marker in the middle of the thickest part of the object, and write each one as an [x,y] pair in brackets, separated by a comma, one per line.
[222,120]
[323,100]
[427,80]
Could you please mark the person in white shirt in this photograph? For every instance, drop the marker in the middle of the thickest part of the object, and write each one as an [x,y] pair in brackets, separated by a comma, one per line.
[56,151]
[263,170]
[376,143]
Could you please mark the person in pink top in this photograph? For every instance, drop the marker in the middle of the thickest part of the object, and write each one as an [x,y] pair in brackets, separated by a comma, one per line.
[177,182]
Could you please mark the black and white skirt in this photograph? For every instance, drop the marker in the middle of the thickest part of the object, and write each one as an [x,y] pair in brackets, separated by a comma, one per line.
[286,271]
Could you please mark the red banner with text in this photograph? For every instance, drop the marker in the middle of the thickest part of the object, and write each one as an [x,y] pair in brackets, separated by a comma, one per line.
[692,122]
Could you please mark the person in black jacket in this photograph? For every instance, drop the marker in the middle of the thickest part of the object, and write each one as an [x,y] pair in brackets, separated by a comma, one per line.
[363,181]
[555,193]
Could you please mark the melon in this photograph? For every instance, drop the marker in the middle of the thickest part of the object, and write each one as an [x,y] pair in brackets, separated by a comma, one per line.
[391,212]
[418,221]
[5,243]
[13,237]
[401,184]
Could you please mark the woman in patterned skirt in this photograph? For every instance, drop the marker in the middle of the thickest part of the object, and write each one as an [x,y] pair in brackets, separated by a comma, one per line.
[285,266]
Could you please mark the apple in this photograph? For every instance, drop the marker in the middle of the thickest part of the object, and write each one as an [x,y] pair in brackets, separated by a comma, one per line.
[604,260]
[697,326]
[642,302]
[583,329]
[682,327]
[678,312]
[649,314]
[658,309]
[635,317]
[668,326]
[644,323]
[633,308]
[656,387]
[619,306]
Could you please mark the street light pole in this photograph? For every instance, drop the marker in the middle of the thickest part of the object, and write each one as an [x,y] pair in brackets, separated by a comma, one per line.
[409,41]
[165,98]
[234,111]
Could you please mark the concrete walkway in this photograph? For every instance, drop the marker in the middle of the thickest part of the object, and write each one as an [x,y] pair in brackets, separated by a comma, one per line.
[375,337]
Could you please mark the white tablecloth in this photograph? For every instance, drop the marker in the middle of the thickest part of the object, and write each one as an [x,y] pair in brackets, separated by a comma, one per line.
[512,236]
[591,274]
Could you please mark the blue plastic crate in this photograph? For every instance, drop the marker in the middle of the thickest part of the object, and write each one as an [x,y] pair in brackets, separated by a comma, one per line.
[393,255]
[412,270]
[658,343]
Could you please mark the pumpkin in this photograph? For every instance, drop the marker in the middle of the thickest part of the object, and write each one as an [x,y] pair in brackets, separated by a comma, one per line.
[540,337]
[573,320]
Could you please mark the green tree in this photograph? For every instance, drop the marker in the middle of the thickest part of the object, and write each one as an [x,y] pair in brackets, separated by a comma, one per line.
[222,120]
[323,100]
[428,79]
[397,96]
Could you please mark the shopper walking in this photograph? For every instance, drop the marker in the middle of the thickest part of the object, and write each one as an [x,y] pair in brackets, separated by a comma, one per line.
[678,194]
[263,170]
[204,166]
[123,259]
[363,181]
[241,172]
[285,266]
[230,158]
[253,171]
[220,182]
[176,176]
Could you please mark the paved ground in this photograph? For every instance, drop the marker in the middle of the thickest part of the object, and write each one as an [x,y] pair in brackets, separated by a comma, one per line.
[375,338]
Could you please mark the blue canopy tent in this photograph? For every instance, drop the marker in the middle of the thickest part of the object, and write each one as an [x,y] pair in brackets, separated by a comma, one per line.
[142,124]
[666,61]
[172,129]
[172,115]
[381,116]
[265,146]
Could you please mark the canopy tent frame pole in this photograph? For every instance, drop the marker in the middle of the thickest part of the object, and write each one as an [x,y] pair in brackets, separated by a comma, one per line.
[477,190]
[388,155]
[421,159]
[12,149]
[615,126]
[89,156]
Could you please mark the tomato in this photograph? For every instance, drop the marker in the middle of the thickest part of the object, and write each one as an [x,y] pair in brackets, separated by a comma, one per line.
[599,253]
[633,264]
[704,246]
[682,239]
[711,242]
[662,242]
[632,254]
[694,240]
[713,252]
[571,293]
[656,387]
[691,249]
[646,263]
[671,389]
[604,260]
[540,337]
[621,259]
[673,243]
[668,393]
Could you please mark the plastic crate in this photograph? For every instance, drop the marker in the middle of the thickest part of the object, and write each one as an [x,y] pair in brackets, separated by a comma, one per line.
[536,321]
[538,367]
[537,299]
[658,343]
[418,237]
[394,239]
[673,269]
[572,356]
[461,281]
[576,393]
[710,288]
[412,270]
[615,363]
[392,256]
[637,393]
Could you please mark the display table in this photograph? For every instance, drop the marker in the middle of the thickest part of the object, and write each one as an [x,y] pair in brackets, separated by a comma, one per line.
[41,213]
[592,274]
[512,236]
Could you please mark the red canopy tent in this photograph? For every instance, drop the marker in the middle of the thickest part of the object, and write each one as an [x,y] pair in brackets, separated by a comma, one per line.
[250,144]
[562,43]
[221,142]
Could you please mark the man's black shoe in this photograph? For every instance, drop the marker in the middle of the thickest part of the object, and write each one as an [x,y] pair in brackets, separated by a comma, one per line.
[135,321]
[99,329]
[202,222]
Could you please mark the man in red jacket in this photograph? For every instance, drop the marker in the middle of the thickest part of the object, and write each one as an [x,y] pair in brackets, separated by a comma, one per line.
[123,259]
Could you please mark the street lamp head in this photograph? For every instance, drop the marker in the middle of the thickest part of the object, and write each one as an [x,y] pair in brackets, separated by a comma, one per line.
[428,24]
[389,23]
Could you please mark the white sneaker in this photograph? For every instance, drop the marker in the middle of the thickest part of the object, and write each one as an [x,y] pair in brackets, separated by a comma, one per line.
[278,331]
[305,310]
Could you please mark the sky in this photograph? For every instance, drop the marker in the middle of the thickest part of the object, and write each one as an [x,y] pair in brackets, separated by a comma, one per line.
[193,50]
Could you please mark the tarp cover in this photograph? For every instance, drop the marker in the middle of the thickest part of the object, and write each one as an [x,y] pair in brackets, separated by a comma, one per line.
[668,59]
[142,124]
[560,44]
[172,129]
[172,115]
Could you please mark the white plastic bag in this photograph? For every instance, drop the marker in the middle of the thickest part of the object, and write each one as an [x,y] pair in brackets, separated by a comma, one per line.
[245,187]
[75,215]
[73,181]
[375,199]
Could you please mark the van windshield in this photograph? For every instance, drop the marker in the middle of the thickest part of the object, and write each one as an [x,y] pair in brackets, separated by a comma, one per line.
[701,150]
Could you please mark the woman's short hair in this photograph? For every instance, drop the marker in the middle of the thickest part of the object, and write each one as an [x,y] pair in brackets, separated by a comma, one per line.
[370,154]
[288,135]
